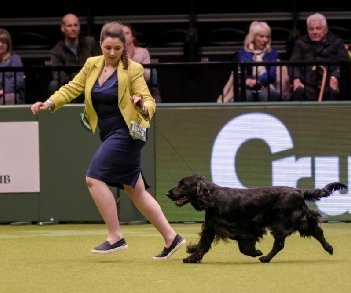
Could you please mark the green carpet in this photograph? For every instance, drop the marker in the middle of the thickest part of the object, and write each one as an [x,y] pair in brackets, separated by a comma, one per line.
[57,258]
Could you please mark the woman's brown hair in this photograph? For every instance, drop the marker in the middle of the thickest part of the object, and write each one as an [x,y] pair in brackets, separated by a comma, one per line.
[5,37]
[114,29]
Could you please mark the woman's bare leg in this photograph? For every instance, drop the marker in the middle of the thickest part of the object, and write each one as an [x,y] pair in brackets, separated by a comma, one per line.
[150,208]
[106,204]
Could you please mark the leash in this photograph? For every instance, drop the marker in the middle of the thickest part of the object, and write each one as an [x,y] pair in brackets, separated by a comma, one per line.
[172,147]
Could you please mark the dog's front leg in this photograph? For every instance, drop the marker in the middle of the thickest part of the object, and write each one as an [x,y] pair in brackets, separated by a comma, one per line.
[248,247]
[197,251]
[278,245]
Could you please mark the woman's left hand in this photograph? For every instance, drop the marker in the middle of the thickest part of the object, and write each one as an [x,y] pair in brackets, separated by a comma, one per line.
[251,83]
[138,102]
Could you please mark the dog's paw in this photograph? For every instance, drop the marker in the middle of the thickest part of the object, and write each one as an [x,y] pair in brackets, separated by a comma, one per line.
[253,253]
[191,260]
[191,248]
[258,252]
[329,249]
[265,259]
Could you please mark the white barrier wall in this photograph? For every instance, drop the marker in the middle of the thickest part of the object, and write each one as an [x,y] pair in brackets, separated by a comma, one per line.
[19,157]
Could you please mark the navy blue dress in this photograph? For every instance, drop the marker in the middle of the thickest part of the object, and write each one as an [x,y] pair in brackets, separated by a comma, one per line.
[117,161]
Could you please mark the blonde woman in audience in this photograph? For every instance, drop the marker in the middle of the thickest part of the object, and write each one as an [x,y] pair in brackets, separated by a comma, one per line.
[259,80]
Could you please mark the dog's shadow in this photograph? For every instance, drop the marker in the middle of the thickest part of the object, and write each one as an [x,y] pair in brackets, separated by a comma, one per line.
[276,262]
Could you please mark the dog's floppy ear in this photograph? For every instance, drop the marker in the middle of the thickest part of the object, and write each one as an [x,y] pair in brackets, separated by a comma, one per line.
[203,194]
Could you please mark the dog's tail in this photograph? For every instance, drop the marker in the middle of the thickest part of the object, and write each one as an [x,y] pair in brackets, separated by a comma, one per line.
[318,193]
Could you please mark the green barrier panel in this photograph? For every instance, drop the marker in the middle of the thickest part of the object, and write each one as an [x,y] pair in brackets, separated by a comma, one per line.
[300,144]
[65,152]
[255,144]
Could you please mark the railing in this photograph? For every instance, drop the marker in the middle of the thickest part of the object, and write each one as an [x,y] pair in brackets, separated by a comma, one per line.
[285,71]
[33,37]
[196,82]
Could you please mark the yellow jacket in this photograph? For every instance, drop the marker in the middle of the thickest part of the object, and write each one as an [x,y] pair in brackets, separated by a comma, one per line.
[130,82]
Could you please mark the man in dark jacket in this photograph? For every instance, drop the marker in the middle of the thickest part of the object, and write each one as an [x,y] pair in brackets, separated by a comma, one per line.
[73,49]
[317,82]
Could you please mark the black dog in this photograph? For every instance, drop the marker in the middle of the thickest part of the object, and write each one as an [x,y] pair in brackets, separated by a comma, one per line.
[245,215]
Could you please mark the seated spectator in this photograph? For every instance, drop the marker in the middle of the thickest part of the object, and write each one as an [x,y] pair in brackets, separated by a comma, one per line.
[311,83]
[348,49]
[142,56]
[260,81]
[72,50]
[12,84]
[227,94]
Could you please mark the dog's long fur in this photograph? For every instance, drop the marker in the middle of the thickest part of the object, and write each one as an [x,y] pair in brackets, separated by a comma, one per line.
[245,215]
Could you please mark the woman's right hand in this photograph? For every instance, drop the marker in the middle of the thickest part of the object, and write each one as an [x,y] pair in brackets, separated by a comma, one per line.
[39,106]
[250,83]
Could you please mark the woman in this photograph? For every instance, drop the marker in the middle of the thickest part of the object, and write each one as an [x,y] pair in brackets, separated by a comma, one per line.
[117,99]
[259,80]
[134,51]
[11,83]
[142,56]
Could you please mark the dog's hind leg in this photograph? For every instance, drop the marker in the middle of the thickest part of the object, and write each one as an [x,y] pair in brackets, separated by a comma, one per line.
[313,229]
[318,234]
[248,247]
[278,245]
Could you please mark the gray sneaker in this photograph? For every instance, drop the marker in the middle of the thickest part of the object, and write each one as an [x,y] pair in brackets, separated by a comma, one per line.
[106,247]
[167,252]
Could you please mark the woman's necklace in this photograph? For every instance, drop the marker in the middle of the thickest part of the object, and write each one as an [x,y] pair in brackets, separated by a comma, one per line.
[109,68]
[106,72]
